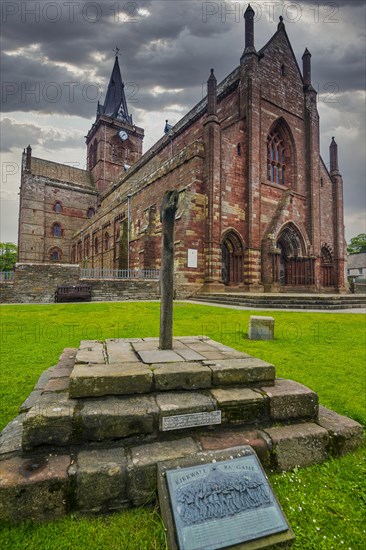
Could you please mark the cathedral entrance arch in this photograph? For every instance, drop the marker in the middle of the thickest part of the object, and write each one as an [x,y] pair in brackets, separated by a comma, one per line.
[232,254]
[294,268]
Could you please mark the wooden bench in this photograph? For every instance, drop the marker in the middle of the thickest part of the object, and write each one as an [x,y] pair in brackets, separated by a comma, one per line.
[73,293]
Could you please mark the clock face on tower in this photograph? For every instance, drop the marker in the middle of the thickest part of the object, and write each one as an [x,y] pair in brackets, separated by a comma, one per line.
[123,135]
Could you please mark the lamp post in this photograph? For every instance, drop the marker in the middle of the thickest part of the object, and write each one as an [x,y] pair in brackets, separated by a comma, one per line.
[128,231]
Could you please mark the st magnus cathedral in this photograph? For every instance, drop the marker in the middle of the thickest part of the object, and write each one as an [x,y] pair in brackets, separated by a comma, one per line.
[258,207]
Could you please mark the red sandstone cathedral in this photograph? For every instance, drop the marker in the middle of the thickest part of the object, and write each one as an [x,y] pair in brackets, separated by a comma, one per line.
[258,208]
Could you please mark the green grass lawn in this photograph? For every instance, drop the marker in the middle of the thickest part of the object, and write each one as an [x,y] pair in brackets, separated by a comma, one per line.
[325,504]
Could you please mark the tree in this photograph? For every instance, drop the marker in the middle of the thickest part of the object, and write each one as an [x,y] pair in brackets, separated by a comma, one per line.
[8,256]
[357,244]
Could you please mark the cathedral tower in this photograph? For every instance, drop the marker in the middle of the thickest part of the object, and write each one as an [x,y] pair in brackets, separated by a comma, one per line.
[114,143]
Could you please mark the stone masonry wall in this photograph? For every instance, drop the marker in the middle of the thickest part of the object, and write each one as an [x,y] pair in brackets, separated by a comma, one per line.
[37,283]
[44,185]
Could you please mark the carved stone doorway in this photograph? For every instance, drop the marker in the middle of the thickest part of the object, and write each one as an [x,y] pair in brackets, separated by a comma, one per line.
[294,268]
[232,253]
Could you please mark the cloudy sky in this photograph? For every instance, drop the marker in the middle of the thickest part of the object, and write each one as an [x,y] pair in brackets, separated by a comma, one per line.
[57,56]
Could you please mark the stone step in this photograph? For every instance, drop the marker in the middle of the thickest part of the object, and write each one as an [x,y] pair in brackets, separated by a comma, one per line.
[96,380]
[285,302]
[100,479]
[55,419]
[137,366]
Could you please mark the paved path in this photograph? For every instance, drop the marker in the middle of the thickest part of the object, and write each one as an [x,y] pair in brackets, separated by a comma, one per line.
[251,308]
[248,308]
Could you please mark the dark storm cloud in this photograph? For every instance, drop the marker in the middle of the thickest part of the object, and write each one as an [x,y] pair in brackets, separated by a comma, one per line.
[15,135]
[152,48]
[59,60]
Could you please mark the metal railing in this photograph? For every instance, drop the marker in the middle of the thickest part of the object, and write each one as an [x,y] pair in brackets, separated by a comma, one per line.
[99,273]
[6,276]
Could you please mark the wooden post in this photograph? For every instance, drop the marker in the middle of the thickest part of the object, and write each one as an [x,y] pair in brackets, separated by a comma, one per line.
[167,217]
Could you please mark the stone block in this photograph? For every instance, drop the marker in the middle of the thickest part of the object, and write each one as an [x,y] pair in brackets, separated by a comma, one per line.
[67,358]
[34,488]
[11,436]
[289,400]
[120,352]
[261,328]
[346,434]
[108,418]
[57,385]
[31,400]
[90,352]
[298,445]
[61,372]
[241,405]
[201,347]
[122,357]
[182,376]
[159,356]
[236,437]
[101,480]
[189,354]
[85,344]
[142,478]
[49,421]
[117,344]
[213,355]
[187,339]
[115,379]
[226,350]
[231,372]
[149,345]
[43,379]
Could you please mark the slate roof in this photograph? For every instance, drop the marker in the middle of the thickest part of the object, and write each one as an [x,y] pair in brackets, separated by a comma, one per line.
[356,261]
[62,173]
[115,104]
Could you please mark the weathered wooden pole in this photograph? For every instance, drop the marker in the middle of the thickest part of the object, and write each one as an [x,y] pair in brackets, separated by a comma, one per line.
[167,217]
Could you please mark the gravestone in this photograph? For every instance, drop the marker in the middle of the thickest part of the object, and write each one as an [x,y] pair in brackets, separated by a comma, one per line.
[167,217]
[220,502]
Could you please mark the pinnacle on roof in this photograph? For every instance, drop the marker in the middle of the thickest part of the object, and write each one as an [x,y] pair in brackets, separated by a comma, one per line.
[115,104]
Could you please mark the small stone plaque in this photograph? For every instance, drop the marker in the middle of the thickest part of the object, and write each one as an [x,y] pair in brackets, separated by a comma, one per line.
[191,420]
[222,504]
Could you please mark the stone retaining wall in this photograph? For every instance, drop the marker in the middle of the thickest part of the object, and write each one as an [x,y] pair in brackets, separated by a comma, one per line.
[36,283]
[110,290]
[360,288]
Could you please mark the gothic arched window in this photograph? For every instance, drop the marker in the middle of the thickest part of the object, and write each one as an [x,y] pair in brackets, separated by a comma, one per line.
[56,230]
[55,255]
[93,154]
[276,159]
[90,212]
[57,207]
[87,247]
[106,241]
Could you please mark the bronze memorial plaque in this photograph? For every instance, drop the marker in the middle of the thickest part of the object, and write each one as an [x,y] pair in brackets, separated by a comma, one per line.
[223,504]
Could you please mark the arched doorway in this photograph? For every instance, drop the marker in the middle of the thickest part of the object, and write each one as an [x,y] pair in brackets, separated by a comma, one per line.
[294,268]
[232,253]
[326,265]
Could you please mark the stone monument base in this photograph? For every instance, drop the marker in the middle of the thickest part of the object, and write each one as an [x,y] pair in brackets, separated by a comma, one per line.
[89,437]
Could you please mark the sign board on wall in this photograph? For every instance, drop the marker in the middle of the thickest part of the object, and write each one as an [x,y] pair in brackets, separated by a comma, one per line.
[192,257]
